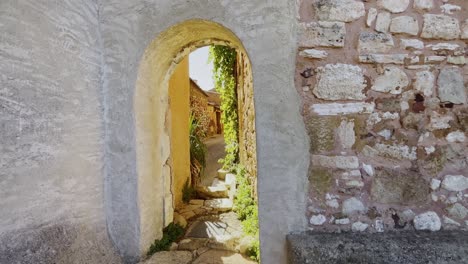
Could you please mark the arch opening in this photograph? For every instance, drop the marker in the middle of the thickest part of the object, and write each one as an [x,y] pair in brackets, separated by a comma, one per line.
[155,198]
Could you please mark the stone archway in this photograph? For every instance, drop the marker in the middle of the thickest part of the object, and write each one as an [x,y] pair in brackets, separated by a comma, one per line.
[147,214]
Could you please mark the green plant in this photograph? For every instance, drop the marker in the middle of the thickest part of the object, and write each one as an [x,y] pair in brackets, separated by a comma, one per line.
[197,147]
[246,209]
[224,75]
[171,233]
[188,192]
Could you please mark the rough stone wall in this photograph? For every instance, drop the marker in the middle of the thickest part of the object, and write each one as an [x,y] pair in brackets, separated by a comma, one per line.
[246,110]
[199,108]
[51,159]
[384,93]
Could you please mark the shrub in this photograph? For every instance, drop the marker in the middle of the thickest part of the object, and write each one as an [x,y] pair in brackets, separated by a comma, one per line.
[171,233]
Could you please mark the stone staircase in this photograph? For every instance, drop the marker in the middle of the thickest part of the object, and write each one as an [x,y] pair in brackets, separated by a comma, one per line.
[212,228]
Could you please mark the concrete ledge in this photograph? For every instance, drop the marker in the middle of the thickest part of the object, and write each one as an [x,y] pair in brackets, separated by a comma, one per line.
[393,247]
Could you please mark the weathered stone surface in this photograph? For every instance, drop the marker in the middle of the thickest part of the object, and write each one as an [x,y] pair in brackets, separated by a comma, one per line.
[339,10]
[383,58]
[449,8]
[450,86]
[340,82]
[313,54]
[317,219]
[222,205]
[396,151]
[359,227]
[457,211]
[383,22]
[321,131]
[345,108]
[346,134]
[353,205]
[424,82]
[394,81]
[456,136]
[213,256]
[322,34]
[440,27]
[394,6]
[386,248]
[371,15]
[464,30]
[443,46]
[435,184]
[370,42]
[339,162]
[170,257]
[399,187]
[342,221]
[455,183]
[458,60]
[424,5]
[180,220]
[320,180]
[438,121]
[404,24]
[434,59]
[427,221]
[412,43]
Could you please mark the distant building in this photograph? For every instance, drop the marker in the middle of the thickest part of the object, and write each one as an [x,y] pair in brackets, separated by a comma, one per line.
[205,106]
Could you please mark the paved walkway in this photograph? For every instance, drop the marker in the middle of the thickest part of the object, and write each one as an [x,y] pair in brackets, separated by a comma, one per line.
[215,146]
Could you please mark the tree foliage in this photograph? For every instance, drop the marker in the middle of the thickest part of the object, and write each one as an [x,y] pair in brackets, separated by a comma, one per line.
[224,75]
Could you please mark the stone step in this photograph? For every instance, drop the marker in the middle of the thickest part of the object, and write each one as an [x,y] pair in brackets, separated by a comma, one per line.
[222,174]
[209,192]
[220,205]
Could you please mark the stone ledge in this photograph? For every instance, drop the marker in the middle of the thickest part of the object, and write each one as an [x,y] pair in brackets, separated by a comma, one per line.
[391,247]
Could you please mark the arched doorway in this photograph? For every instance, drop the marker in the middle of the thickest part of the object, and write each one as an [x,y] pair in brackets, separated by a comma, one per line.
[135,227]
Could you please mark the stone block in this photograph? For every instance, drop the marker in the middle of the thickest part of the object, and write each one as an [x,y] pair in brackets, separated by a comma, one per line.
[371,42]
[383,22]
[394,6]
[320,180]
[346,134]
[412,43]
[340,82]
[424,82]
[170,257]
[404,24]
[450,86]
[457,211]
[455,183]
[423,5]
[322,34]
[339,10]
[440,27]
[449,8]
[313,54]
[321,131]
[427,221]
[399,187]
[335,162]
[353,205]
[383,58]
[393,81]
[334,109]
[371,15]
[464,30]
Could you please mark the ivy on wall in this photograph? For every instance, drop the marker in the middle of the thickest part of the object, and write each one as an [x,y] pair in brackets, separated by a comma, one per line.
[224,75]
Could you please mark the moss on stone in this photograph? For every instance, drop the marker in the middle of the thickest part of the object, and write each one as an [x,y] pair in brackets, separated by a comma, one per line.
[321,131]
[320,180]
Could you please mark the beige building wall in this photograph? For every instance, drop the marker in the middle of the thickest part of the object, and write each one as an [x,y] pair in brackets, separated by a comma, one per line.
[179,100]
